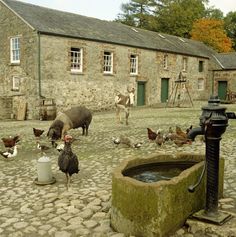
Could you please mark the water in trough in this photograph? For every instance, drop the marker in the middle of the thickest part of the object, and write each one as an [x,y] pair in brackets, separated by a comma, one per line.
[155,172]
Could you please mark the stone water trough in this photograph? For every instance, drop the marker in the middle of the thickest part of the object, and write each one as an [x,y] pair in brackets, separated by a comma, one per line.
[157,208]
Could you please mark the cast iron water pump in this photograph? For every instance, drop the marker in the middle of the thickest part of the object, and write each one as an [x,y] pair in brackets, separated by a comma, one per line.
[213,123]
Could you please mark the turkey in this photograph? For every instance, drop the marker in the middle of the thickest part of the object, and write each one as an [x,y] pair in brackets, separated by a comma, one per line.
[68,161]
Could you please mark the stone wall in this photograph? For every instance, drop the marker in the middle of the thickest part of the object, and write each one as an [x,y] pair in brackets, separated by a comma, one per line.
[52,76]
[97,90]
[227,75]
[5,107]
[26,70]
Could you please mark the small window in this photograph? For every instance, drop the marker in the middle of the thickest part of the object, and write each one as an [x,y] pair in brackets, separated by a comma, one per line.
[200,84]
[108,62]
[15,50]
[165,61]
[184,64]
[201,66]
[15,83]
[133,64]
[76,59]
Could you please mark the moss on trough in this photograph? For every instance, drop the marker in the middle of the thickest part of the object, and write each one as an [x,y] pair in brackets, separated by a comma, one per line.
[160,208]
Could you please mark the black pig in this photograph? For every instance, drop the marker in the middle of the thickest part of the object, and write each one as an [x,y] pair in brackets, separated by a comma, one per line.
[75,117]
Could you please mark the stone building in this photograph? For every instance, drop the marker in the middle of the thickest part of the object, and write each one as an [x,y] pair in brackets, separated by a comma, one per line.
[225,76]
[52,57]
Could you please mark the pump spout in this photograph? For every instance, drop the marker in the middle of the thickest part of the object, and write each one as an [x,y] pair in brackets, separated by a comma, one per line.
[194,132]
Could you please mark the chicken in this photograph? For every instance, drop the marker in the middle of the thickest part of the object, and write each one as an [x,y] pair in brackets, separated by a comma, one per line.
[37,132]
[10,153]
[11,141]
[189,129]
[159,139]
[122,140]
[116,140]
[167,136]
[126,141]
[180,133]
[151,134]
[68,161]
[42,147]
[138,145]
[181,142]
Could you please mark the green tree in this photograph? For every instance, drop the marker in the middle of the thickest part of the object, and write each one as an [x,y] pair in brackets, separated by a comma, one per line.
[177,17]
[214,13]
[212,33]
[230,27]
[138,13]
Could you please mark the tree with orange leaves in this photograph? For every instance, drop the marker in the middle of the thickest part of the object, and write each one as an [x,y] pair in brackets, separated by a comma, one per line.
[211,32]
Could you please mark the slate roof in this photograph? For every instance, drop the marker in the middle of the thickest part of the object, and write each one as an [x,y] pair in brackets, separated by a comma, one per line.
[227,60]
[50,21]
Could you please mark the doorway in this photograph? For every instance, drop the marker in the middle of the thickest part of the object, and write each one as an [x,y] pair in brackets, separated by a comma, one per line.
[141,93]
[222,89]
[164,89]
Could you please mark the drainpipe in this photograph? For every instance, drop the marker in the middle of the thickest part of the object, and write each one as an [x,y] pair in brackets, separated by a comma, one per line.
[39,66]
[213,82]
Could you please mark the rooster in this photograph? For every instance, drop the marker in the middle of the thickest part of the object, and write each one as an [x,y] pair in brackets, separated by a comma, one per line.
[151,134]
[37,132]
[11,141]
[68,161]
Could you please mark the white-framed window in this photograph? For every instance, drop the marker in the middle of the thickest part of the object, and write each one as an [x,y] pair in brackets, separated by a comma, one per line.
[76,59]
[200,84]
[15,50]
[15,83]
[165,61]
[133,64]
[185,61]
[108,62]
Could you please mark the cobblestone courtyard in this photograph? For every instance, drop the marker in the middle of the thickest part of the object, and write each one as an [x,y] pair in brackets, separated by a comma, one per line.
[31,210]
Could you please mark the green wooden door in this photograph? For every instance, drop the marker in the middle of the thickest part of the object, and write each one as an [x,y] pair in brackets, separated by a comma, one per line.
[141,93]
[164,89]
[222,90]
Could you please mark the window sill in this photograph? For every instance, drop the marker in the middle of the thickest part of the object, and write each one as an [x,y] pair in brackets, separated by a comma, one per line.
[108,74]
[14,64]
[76,73]
[133,75]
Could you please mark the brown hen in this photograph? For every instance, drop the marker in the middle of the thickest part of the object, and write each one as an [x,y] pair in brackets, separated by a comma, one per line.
[10,141]
[151,134]
[180,133]
[37,132]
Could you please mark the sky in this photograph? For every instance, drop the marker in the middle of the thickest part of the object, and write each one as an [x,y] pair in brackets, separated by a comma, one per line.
[109,9]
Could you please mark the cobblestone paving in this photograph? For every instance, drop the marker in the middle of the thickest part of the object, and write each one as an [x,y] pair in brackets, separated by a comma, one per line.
[31,210]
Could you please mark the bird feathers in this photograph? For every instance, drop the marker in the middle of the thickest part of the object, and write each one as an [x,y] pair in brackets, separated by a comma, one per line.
[37,132]
[151,134]
[10,153]
[10,141]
